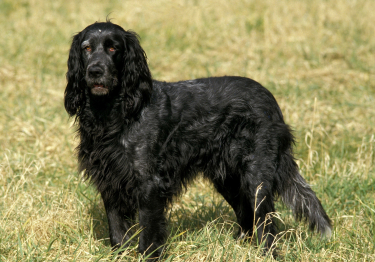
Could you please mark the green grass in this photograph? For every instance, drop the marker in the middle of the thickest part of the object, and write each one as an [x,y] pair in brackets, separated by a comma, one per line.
[316,57]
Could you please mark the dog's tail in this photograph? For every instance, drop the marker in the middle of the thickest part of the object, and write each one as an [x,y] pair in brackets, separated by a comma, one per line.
[298,195]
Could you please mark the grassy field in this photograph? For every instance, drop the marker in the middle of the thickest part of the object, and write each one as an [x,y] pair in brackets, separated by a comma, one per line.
[316,57]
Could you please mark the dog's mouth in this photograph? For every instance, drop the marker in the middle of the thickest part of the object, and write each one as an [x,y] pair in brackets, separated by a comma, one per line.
[99,86]
[99,89]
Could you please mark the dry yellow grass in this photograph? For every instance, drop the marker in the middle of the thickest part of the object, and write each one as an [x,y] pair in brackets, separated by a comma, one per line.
[317,57]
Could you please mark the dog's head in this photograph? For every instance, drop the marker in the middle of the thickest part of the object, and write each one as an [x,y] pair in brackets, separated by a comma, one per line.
[106,60]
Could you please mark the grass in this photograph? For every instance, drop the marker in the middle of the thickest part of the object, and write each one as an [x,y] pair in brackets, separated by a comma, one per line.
[317,57]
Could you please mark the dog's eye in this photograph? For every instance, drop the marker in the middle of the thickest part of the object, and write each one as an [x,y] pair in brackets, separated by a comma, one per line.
[111,49]
[88,48]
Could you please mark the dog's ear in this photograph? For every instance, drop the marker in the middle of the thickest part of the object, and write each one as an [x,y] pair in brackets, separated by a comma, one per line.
[74,91]
[136,80]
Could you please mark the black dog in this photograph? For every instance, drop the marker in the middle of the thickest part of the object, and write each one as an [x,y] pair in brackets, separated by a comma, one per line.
[142,141]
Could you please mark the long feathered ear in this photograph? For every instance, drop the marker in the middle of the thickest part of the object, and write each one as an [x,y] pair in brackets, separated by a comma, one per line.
[74,91]
[137,80]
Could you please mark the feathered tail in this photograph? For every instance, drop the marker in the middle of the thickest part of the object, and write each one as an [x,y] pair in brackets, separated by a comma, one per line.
[298,195]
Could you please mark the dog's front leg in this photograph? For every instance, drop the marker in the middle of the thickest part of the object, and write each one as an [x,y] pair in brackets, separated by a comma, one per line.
[152,220]
[120,215]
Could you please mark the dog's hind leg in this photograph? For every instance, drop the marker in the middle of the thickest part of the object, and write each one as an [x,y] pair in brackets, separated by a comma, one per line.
[253,208]
[260,198]
[230,190]
[263,205]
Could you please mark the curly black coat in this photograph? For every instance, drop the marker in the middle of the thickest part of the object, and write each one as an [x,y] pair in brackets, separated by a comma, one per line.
[142,140]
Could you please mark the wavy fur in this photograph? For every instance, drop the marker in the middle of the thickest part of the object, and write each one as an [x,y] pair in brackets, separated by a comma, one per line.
[142,141]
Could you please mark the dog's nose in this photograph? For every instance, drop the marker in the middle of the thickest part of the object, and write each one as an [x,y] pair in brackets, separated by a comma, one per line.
[95,71]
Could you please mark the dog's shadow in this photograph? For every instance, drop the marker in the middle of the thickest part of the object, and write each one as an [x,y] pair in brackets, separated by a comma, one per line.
[100,222]
[199,211]
[182,216]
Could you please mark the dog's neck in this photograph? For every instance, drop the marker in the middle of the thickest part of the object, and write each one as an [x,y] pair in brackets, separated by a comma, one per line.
[99,115]
[102,107]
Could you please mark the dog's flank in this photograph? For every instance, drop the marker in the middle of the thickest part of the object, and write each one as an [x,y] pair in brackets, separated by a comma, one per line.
[142,141]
